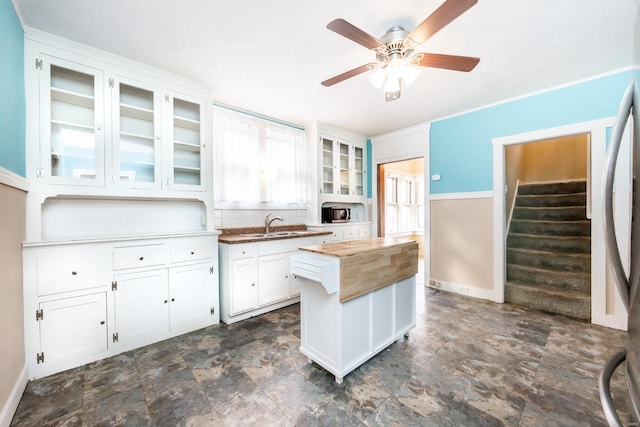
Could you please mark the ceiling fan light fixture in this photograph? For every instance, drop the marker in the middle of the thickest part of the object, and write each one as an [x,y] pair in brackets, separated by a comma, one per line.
[377,77]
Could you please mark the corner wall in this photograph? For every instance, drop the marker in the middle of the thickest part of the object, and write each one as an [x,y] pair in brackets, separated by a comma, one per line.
[13,373]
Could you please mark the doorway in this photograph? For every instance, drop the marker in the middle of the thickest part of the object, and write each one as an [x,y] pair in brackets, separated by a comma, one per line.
[401,201]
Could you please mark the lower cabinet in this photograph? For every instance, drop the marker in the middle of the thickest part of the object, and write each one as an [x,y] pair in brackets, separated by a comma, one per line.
[72,328]
[132,293]
[340,232]
[255,279]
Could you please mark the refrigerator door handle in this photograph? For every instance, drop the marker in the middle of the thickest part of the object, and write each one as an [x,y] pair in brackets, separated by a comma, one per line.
[605,392]
[617,269]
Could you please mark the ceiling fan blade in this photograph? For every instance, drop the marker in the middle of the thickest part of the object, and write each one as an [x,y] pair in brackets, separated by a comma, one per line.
[449,62]
[354,33]
[346,75]
[440,18]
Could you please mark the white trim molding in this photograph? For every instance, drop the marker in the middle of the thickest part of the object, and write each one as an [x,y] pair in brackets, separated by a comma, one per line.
[11,404]
[14,180]
[465,195]
[597,131]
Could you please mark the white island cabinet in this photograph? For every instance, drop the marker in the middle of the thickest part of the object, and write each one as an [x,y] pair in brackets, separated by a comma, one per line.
[357,297]
[87,300]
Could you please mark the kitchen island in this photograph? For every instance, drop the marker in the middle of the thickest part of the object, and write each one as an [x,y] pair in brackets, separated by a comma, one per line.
[357,297]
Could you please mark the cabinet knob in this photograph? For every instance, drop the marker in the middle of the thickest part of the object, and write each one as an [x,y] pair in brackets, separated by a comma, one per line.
[165,301]
[286,277]
[253,284]
[74,273]
[173,299]
[192,253]
[102,322]
[141,258]
[99,127]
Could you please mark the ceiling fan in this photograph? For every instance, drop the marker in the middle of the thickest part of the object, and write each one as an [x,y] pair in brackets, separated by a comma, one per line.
[396,63]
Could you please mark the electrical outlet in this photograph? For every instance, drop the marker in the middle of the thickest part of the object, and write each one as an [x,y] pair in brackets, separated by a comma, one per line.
[464,289]
[434,284]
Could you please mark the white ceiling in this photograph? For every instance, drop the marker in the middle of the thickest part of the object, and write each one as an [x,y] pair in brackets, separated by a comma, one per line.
[269,57]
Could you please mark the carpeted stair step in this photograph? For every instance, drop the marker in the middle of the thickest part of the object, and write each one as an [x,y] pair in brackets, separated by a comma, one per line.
[554,213]
[556,261]
[564,187]
[579,282]
[572,304]
[574,244]
[573,199]
[557,228]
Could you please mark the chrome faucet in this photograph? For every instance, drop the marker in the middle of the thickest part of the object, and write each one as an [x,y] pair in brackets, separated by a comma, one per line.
[267,222]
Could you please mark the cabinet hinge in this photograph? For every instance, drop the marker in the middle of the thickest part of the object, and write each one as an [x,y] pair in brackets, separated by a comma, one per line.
[211,270]
[39,63]
[115,337]
[40,358]
[39,172]
[39,315]
[114,285]
[166,97]
[212,311]
[110,82]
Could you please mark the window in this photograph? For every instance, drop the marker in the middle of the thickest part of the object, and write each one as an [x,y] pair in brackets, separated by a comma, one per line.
[404,200]
[258,161]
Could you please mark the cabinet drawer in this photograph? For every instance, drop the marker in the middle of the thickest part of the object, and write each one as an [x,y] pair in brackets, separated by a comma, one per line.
[246,250]
[70,269]
[139,256]
[364,232]
[192,249]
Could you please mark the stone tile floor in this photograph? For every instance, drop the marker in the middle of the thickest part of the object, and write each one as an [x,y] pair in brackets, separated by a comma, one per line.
[468,362]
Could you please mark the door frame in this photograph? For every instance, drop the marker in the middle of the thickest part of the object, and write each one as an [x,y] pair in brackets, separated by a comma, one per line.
[597,129]
[404,144]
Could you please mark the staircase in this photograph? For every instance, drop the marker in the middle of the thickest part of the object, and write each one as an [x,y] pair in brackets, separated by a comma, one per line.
[549,249]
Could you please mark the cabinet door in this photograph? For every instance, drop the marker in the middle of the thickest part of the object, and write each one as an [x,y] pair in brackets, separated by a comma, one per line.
[73,328]
[185,148]
[141,308]
[72,128]
[273,272]
[191,291]
[294,285]
[244,281]
[358,171]
[327,167]
[137,119]
[344,174]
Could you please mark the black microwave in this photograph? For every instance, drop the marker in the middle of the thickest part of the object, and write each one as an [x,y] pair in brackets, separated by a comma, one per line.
[332,214]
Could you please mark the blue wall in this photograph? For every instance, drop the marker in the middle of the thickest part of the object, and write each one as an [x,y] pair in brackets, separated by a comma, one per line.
[12,101]
[460,147]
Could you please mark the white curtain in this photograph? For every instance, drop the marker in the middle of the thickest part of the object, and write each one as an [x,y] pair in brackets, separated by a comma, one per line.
[258,160]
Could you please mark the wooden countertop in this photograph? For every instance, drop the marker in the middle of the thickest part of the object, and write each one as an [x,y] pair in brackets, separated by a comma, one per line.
[357,247]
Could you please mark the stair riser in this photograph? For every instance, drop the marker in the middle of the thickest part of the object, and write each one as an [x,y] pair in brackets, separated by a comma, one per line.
[553,188]
[576,308]
[556,228]
[573,213]
[579,245]
[577,199]
[580,282]
[555,262]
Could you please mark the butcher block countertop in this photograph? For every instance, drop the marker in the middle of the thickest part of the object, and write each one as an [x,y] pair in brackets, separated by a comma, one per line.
[356,247]
[370,264]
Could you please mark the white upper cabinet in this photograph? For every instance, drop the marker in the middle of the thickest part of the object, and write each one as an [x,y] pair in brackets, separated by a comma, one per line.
[71,123]
[342,169]
[115,128]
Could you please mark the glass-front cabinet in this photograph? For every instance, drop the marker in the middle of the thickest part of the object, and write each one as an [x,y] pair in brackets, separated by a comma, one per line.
[342,168]
[72,123]
[186,141]
[118,130]
[137,130]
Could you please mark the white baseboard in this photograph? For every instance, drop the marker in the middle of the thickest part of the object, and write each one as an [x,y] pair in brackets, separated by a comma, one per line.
[472,291]
[11,404]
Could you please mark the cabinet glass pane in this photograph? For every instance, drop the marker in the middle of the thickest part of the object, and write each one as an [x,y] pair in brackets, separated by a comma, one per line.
[73,136]
[344,168]
[136,143]
[327,166]
[358,163]
[186,143]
